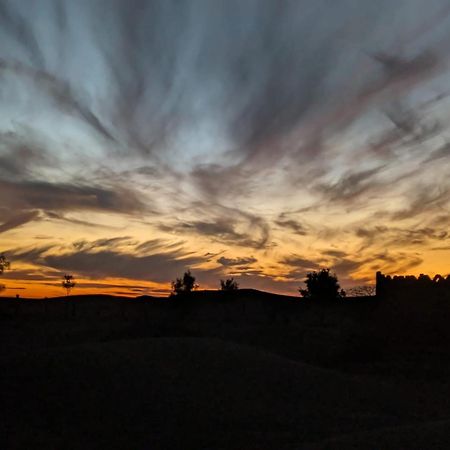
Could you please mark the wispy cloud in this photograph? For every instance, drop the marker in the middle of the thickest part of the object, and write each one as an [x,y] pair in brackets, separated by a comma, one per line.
[305,134]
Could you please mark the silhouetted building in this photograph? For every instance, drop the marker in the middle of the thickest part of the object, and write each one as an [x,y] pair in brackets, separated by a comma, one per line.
[409,286]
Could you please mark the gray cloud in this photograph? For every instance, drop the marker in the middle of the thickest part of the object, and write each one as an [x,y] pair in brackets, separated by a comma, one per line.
[231,262]
[335,253]
[59,91]
[299,262]
[351,185]
[22,152]
[297,227]
[203,111]
[440,153]
[18,27]
[17,220]
[69,196]
[263,68]
[228,225]
[424,199]
[101,259]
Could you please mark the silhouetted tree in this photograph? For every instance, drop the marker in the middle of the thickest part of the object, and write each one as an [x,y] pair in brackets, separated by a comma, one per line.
[4,264]
[230,284]
[322,285]
[184,285]
[68,283]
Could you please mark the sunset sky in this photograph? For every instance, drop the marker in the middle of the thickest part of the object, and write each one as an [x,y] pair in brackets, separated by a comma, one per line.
[248,138]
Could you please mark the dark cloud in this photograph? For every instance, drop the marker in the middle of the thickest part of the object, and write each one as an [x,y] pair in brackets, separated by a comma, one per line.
[231,262]
[351,185]
[403,237]
[407,264]
[346,266]
[335,253]
[22,152]
[91,262]
[410,129]
[69,197]
[234,228]
[299,262]
[440,153]
[17,220]
[110,243]
[424,198]
[292,225]
[53,216]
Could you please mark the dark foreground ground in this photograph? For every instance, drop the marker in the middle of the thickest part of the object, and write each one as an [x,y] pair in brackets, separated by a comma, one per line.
[108,373]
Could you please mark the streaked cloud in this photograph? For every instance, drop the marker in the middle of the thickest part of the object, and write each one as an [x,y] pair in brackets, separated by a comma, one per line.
[260,139]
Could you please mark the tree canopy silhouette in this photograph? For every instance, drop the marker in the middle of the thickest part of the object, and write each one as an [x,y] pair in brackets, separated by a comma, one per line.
[4,263]
[322,285]
[184,285]
[68,283]
[229,284]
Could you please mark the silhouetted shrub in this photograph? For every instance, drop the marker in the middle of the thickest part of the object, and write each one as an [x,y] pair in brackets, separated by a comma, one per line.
[68,283]
[229,285]
[322,286]
[185,285]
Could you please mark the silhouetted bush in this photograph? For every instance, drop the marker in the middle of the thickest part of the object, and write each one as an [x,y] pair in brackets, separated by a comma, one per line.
[229,285]
[322,286]
[185,285]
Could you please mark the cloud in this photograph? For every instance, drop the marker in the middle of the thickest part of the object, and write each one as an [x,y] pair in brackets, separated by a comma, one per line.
[257,84]
[227,225]
[211,121]
[22,152]
[292,225]
[109,243]
[18,219]
[69,197]
[424,199]
[59,91]
[335,253]
[98,260]
[231,262]
[299,262]
[440,153]
[17,26]
[350,186]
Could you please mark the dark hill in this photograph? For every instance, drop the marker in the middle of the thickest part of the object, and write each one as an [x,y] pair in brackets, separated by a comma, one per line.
[237,370]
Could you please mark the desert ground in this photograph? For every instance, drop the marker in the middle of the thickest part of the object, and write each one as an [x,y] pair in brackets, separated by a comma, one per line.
[247,371]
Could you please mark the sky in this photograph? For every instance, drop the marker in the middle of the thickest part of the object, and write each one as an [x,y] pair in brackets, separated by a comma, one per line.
[258,139]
